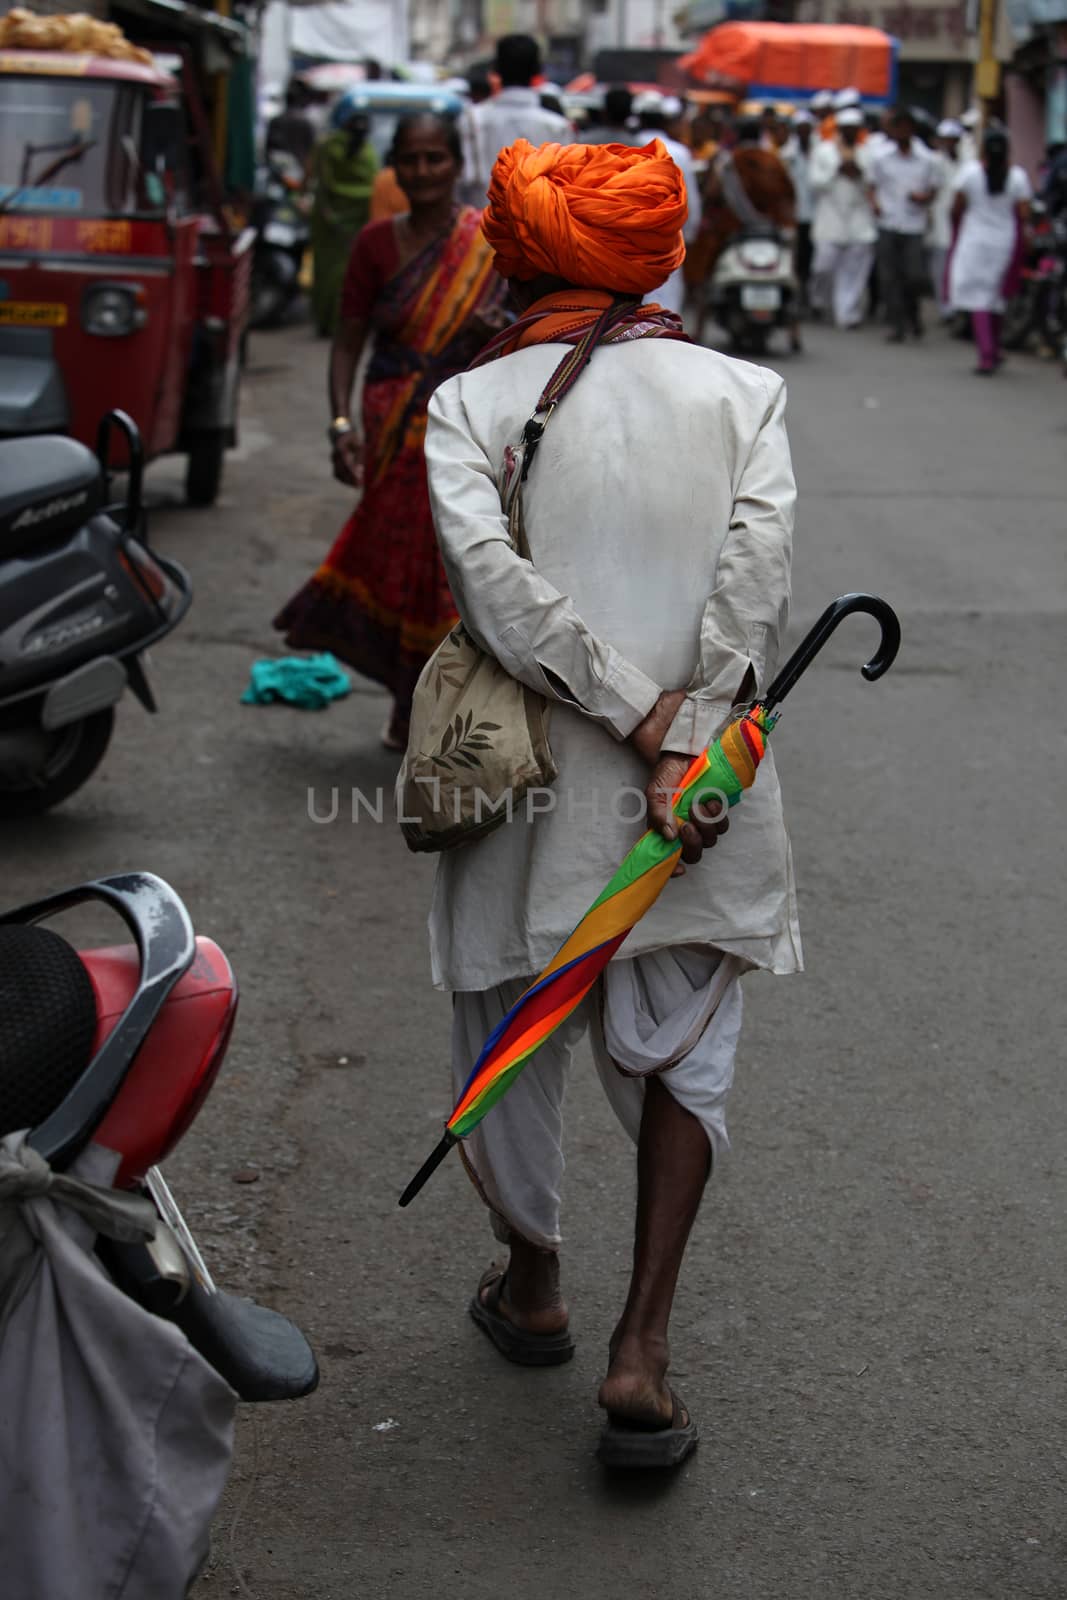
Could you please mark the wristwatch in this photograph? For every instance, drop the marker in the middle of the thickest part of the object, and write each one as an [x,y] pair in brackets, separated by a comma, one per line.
[338,428]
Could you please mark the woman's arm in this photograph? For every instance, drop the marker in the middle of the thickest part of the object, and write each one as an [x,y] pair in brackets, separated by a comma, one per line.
[345,351]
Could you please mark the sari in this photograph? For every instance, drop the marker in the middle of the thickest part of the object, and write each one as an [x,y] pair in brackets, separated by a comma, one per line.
[380,601]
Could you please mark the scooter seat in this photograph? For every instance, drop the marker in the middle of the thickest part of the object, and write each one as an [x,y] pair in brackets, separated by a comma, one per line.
[47,1023]
[48,485]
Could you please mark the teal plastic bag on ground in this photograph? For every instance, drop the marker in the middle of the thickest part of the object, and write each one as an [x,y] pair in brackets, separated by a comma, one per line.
[309,682]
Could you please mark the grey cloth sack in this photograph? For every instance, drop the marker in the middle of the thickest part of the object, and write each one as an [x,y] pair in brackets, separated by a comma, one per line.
[115,1435]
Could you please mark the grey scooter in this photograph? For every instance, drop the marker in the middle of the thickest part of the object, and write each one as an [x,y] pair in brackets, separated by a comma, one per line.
[81,597]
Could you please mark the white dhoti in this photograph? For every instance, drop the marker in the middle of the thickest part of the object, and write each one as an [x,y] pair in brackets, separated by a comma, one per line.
[841,272]
[675,1012]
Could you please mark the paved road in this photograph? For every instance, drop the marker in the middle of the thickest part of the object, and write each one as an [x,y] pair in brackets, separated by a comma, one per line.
[870,1330]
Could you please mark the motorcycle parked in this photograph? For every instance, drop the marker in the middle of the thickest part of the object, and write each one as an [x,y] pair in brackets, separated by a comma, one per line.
[107,1056]
[81,598]
[282,236]
[753,289]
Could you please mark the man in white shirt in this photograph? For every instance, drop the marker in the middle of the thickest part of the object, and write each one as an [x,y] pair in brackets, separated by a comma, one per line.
[903,182]
[515,113]
[939,232]
[844,229]
[797,154]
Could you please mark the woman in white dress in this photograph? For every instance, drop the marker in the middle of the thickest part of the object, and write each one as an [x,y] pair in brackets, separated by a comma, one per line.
[990,205]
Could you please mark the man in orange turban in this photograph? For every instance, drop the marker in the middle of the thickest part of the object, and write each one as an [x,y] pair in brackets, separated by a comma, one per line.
[658,516]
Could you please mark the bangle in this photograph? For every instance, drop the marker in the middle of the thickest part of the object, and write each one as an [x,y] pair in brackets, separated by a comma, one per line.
[338,428]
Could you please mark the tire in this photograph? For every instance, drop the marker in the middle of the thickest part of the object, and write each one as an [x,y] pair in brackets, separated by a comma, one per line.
[203,473]
[59,763]
[756,340]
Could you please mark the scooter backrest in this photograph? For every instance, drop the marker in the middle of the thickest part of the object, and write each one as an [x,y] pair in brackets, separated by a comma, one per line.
[178,1061]
[47,1024]
[166,947]
[48,486]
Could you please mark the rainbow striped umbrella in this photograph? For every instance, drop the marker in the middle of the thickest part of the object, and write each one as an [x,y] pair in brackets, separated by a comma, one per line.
[723,771]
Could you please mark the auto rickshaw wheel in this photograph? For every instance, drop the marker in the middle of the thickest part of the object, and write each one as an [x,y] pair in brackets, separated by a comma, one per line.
[203,473]
[39,768]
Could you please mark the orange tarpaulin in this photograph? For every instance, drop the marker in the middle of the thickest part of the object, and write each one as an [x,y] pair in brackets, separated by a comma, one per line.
[796,56]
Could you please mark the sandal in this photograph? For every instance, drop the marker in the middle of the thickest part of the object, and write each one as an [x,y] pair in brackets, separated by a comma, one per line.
[517,1344]
[628,1444]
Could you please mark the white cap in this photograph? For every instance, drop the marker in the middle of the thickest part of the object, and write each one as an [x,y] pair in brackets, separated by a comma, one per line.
[851,117]
[822,102]
[971,119]
[949,128]
[846,97]
[649,100]
[672,106]
[802,119]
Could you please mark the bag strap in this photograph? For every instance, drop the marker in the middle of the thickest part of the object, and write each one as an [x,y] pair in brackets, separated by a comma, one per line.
[566,376]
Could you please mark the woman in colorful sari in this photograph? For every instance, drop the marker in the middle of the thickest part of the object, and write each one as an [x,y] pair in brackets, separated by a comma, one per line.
[423,285]
[344,167]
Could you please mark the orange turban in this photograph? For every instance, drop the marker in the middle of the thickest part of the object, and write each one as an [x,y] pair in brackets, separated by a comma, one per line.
[602,216]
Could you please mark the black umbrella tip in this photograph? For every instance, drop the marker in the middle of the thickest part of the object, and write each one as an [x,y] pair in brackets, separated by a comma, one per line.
[429,1167]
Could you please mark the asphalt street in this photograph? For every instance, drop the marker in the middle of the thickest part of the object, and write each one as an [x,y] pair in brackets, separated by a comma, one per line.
[870,1328]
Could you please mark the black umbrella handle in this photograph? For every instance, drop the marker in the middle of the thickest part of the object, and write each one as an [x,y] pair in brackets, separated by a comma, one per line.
[810,646]
[429,1167]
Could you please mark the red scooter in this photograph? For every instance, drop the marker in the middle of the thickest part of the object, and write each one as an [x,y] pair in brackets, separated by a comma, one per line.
[108,1055]
[124,1055]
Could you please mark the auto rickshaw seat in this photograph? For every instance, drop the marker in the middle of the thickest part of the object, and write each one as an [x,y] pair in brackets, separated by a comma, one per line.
[48,485]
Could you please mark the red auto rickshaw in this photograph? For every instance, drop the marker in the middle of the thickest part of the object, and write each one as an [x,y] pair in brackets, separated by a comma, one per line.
[123,283]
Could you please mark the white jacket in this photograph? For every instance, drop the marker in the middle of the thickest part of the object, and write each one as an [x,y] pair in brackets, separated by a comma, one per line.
[659,512]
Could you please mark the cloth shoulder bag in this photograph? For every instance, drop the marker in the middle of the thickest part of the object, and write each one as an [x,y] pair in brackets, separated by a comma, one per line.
[478,738]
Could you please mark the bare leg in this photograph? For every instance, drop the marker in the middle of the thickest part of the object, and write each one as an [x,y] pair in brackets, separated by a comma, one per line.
[532,1298]
[673,1164]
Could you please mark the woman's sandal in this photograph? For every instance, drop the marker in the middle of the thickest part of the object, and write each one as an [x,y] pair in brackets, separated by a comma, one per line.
[517,1344]
[628,1444]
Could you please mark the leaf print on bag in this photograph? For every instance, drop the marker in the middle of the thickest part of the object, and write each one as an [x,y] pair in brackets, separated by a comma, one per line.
[460,748]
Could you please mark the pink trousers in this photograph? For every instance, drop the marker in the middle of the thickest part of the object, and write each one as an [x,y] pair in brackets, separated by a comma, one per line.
[987,325]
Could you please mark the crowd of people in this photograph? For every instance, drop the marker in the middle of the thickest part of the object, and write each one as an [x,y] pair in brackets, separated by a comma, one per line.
[883,211]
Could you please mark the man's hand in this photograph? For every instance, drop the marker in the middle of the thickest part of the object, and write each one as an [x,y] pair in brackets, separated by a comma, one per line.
[707,822]
[650,734]
[348,461]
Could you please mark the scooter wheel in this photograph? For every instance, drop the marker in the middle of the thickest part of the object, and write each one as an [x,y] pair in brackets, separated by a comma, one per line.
[38,768]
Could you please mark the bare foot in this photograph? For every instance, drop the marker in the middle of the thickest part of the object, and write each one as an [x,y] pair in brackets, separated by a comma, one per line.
[635,1388]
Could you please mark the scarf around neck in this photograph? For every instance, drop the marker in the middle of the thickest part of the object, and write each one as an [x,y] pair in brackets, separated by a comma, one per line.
[563,317]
